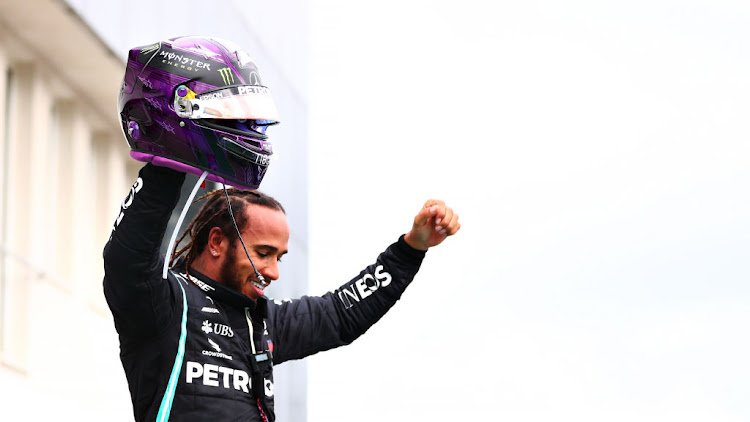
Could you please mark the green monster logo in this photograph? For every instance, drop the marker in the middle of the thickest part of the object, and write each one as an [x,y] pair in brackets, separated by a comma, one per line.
[227,75]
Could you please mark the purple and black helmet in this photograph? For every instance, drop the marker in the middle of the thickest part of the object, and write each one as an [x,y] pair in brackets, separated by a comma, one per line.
[197,103]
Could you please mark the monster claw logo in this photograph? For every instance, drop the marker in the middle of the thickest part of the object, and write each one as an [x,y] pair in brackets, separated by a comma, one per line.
[227,75]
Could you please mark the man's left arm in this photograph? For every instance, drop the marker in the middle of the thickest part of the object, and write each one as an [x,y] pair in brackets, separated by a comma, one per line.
[312,324]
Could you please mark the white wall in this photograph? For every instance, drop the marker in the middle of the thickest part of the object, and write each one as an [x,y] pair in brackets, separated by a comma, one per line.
[58,356]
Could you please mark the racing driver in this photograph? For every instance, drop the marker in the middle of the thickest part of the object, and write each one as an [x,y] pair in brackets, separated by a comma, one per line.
[198,340]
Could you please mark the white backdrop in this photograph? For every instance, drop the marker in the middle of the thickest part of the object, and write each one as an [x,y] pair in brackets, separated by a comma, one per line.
[597,153]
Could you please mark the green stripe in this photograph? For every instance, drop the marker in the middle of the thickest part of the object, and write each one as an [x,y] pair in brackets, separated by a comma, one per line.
[166,401]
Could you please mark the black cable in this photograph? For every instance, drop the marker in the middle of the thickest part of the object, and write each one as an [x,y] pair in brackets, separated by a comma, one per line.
[261,279]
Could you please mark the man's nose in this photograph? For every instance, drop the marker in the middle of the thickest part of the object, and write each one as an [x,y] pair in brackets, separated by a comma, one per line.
[271,271]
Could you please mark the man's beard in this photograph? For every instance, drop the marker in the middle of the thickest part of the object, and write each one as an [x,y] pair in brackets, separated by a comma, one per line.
[229,272]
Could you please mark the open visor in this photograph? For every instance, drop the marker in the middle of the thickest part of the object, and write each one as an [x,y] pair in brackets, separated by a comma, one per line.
[252,102]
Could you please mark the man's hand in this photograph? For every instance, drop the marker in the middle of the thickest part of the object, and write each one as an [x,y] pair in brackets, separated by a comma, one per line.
[432,225]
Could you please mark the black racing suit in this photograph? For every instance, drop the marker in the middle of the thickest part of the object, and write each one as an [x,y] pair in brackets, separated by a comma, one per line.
[185,342]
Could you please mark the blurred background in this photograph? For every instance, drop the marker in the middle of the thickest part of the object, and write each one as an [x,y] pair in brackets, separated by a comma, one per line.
[597,153]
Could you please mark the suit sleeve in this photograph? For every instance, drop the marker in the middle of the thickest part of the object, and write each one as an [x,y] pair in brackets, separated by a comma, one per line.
[309,325]
[139,299]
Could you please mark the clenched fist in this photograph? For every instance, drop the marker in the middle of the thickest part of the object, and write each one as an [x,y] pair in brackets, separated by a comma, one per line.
[434,222]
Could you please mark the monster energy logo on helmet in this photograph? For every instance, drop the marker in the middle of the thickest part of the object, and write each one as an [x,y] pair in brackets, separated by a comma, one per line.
[227,75]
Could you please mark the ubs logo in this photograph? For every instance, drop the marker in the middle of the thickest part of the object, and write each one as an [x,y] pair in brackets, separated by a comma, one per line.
[216,328]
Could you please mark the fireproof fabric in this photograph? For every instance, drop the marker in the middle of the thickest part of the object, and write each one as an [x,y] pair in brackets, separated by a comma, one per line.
[197,332]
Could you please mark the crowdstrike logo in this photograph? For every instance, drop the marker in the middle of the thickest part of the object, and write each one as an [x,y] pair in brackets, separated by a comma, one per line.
[214,345]
[217,353]
[362,288]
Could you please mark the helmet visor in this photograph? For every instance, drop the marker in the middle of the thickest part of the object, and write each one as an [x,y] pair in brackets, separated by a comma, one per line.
[252,102]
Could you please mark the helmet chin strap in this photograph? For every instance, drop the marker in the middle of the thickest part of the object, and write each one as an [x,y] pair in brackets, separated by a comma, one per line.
[258,276]
[189,201]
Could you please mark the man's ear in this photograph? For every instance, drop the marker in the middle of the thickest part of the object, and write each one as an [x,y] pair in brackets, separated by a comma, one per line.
[217,242]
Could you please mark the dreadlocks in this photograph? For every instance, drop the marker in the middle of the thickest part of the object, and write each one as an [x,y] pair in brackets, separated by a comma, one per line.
[215,213]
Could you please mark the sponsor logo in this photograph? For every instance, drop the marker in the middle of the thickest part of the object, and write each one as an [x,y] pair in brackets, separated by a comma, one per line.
[254,78]
[214,345]
[242,90]
[210,309]
[211,96]
[217,353]
[128,201]
[137,186]
[227,75]
[216,328]
[182,61]
[203,286]
[150,49]
[364,287]
[148,53]
[217,376]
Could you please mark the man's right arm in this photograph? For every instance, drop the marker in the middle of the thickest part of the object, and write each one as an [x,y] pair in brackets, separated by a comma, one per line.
[137,296]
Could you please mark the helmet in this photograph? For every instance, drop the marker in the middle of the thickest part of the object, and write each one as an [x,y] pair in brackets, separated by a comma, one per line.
[197,103]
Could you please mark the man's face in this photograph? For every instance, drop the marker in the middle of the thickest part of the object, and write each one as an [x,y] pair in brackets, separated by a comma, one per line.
[266,236]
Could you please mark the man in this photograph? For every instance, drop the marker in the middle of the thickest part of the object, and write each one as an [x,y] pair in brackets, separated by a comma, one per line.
[198,342]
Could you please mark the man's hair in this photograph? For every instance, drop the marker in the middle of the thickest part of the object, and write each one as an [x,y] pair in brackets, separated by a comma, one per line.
[214,213]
